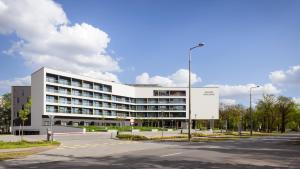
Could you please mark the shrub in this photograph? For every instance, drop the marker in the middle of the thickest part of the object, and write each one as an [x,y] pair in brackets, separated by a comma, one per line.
[131,137]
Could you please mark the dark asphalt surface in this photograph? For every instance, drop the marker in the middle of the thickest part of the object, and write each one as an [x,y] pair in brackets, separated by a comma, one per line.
[264,153]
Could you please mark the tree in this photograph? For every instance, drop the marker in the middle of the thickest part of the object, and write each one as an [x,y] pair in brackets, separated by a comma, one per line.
[23,114]
[5,112]
[285,106]
[266,108]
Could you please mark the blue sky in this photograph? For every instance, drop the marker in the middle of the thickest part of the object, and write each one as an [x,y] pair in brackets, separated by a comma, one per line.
[245,42]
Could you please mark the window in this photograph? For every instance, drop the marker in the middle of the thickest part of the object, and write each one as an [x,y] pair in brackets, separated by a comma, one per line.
[76,92]
[18,100]
[51,99]
[64,100]
[177,93]
[87,85]
[64,80]
[63,90]
[52,109]
[97,104]
[106,88]
[76,82]
[98,95]
[163,100]
[76,110]
[98,112]
[155,93]
[141,100]
[76,101]
[152,100]
[63,110]
[97,86]
[51,89]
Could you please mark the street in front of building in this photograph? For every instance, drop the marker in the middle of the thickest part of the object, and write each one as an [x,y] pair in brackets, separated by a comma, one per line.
[98,150]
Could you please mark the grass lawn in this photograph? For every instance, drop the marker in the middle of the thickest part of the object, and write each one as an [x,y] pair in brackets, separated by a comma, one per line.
[26,144]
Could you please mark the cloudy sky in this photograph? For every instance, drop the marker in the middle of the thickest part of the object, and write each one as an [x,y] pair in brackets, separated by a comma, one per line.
[247,43]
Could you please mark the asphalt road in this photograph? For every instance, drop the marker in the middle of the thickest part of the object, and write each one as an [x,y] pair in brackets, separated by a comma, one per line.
[99,151]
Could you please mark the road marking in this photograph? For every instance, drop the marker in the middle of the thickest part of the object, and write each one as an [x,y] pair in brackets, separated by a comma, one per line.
[170,154]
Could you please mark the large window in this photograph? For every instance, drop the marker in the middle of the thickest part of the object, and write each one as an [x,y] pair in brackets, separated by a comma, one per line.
[177,93]
[64,109]
[76,92]
[51,78]
[88,85]
[52,89]
[63,90]
[106,88]
[52,109]
[76,110]
[87,94]
[141,101]
[77,83]
[76,101]
[64,100]
[64,80]
[98,112]
[51,99]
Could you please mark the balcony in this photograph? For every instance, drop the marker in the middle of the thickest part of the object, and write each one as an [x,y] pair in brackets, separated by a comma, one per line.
[51,90]
[64,102]
[52,101]
[52,110]
[87,95]
[64,111]
[51,80]
[64,92]
[64,82]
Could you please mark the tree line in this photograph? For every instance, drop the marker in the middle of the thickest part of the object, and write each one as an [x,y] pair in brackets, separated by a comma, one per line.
[271,113]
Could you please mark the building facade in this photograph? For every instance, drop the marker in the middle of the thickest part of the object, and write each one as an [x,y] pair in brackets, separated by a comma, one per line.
[79,100]
[19,97]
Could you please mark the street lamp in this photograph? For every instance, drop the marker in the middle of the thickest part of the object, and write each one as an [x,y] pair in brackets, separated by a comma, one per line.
[251,118]
[189,122]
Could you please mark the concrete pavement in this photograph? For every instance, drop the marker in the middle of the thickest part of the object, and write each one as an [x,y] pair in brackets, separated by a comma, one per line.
[99,151]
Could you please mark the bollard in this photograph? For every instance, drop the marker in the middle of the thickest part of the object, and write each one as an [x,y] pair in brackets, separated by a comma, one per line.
[48,134]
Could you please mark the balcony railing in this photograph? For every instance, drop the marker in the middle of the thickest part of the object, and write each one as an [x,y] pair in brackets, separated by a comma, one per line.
[52,110]
[64,82]
[76,94]
[52,90]
[51,80]
[64,111]
[76,84]
[64,102]
[64,92]
[52,101]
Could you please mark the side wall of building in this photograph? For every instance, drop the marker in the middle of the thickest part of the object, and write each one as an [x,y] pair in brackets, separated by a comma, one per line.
[38,97]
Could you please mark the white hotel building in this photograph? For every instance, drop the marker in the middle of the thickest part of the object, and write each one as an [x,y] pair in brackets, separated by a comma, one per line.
[79,100]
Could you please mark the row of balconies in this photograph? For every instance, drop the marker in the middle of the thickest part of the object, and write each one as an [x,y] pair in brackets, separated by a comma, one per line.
[79,83]
[69,110]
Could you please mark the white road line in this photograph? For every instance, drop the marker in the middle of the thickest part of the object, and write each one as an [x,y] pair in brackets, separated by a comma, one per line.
[170,154]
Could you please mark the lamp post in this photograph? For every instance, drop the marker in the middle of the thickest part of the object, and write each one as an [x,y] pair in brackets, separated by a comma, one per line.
[190,112]
[251,118]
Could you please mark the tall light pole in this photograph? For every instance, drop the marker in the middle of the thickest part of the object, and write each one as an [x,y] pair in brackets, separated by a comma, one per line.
[190,112]
[251,117]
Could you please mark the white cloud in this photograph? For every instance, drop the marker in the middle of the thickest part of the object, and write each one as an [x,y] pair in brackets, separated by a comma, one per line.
[228,102]
[289,78]
[243,90]
[296,100]
[179,79]
[46,38]
[6,84]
